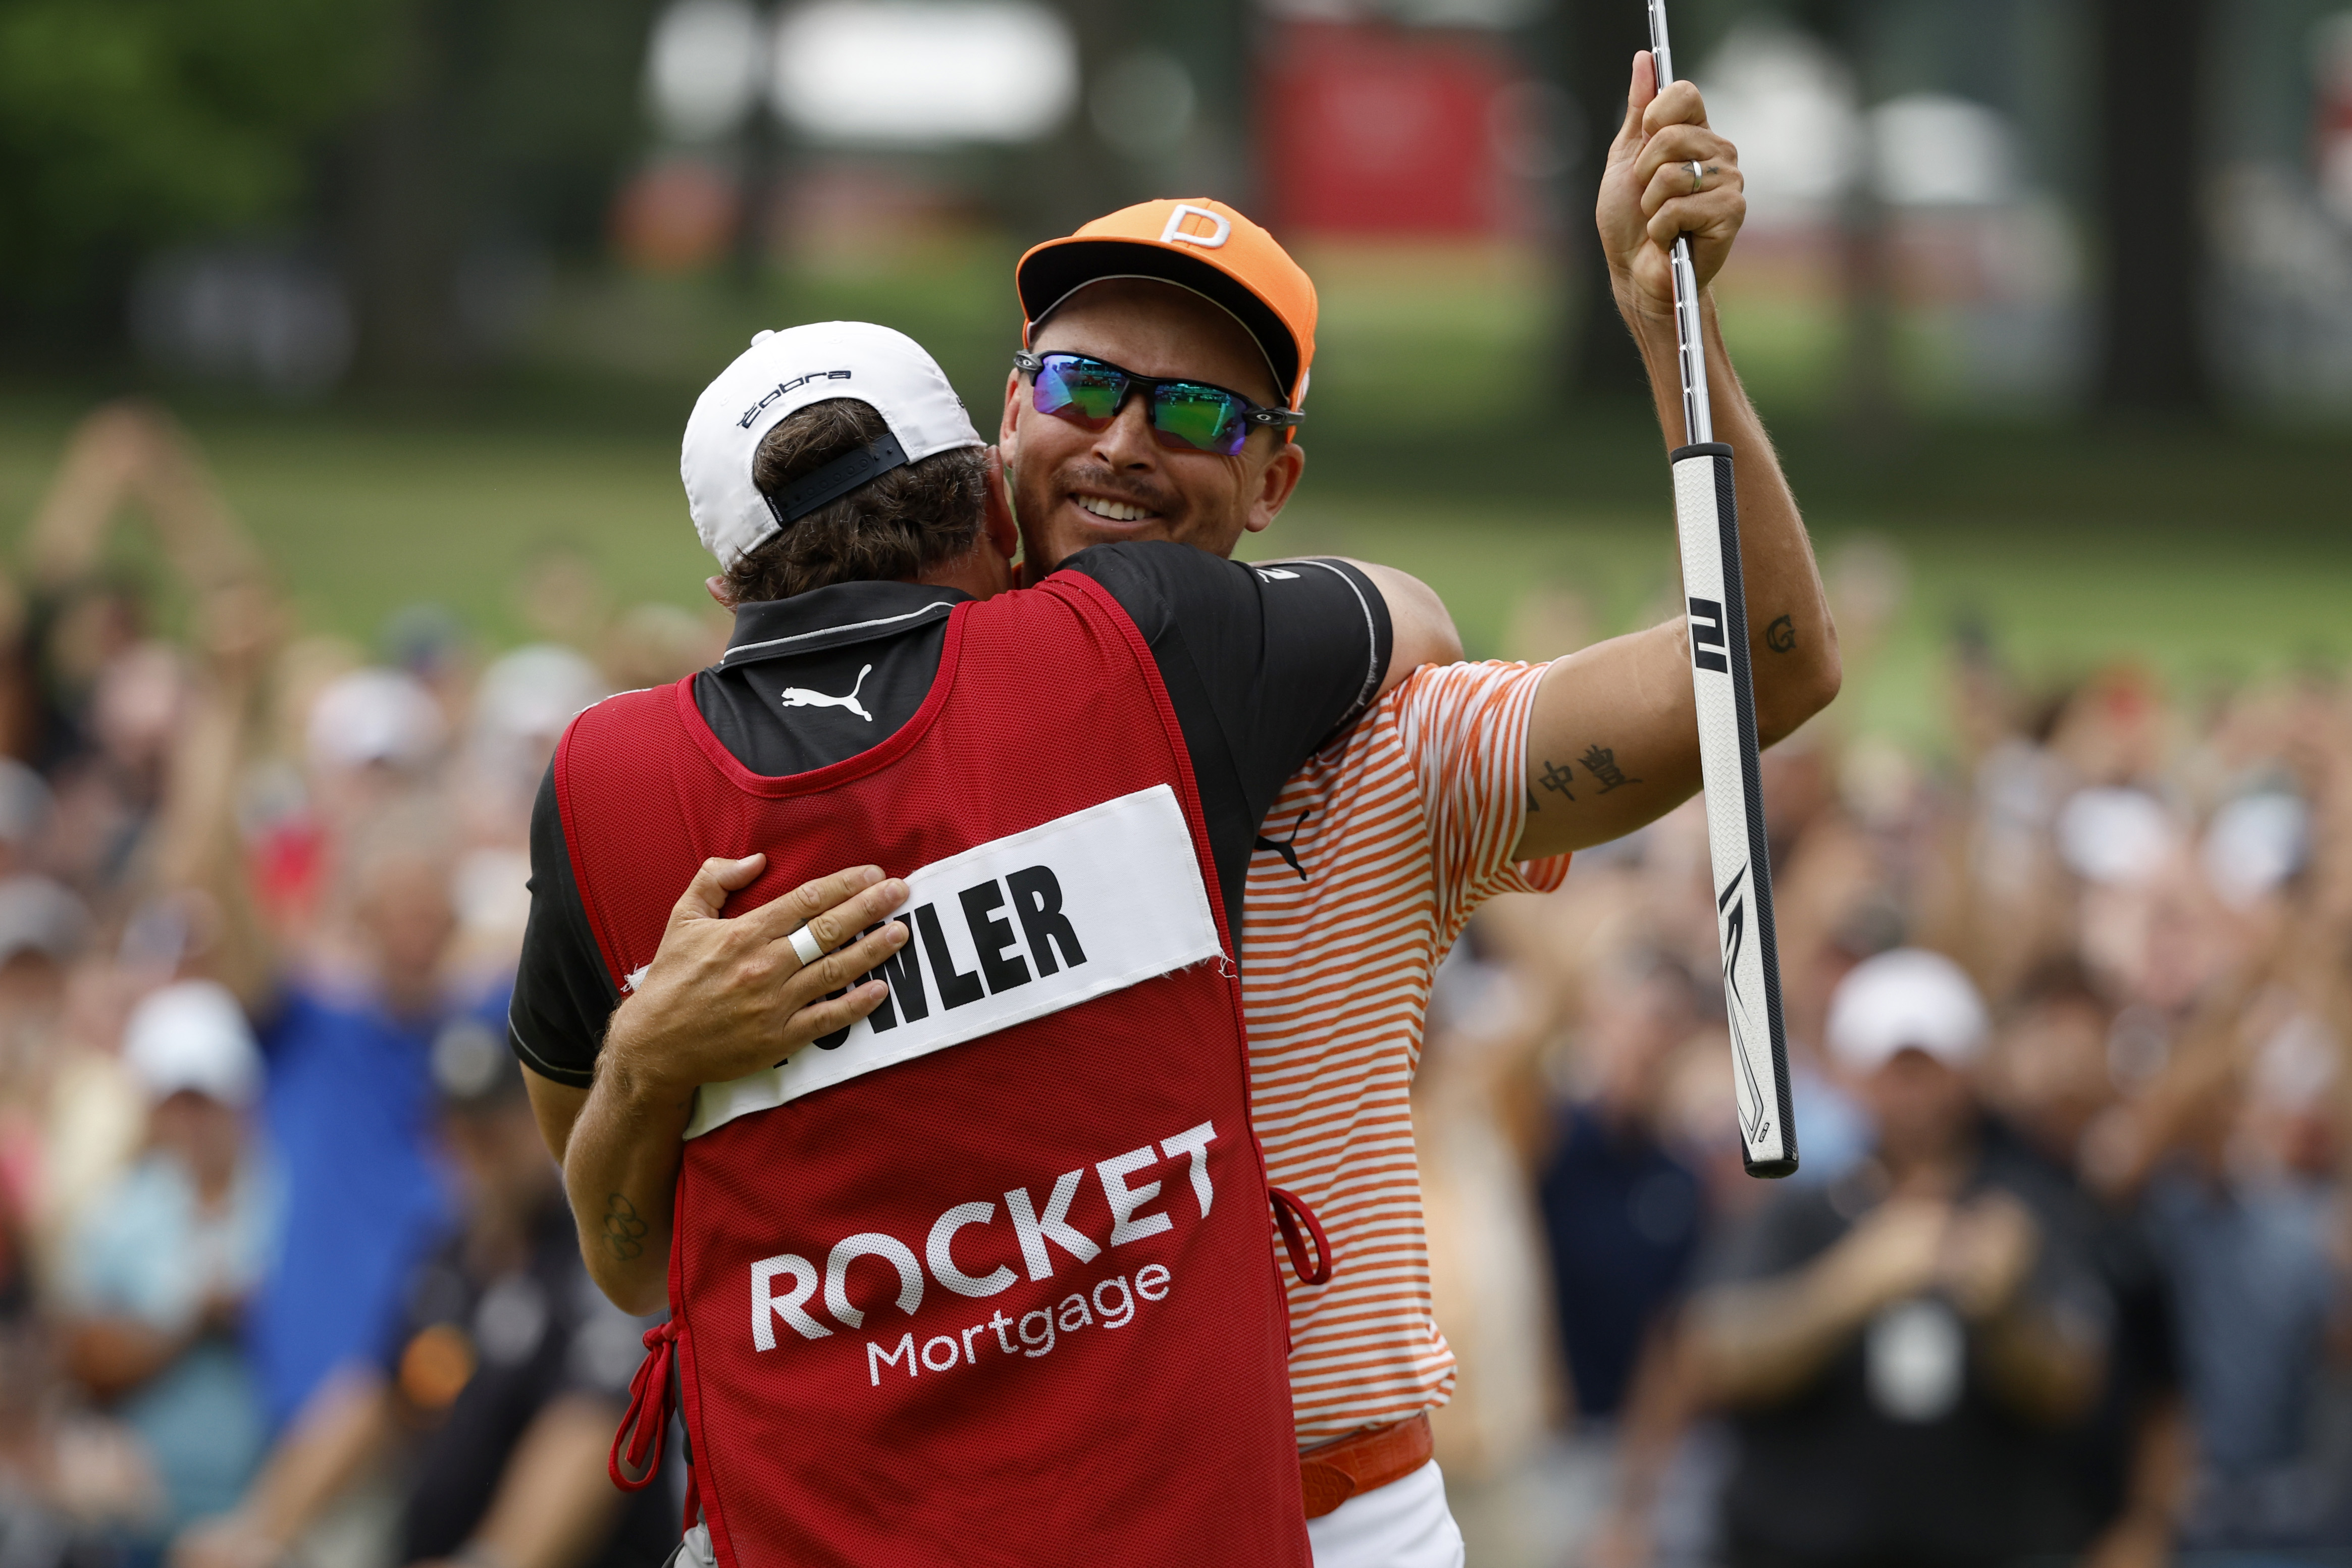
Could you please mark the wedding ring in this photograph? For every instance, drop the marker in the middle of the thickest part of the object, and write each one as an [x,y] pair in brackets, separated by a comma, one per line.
[1699,176]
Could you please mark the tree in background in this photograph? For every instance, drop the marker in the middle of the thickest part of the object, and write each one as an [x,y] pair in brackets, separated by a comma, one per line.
[499,124]
[2152,58]
[129,125]
[397,137]
[1598,38]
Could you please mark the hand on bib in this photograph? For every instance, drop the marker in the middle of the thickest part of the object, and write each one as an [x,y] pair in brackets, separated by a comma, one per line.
[727,997]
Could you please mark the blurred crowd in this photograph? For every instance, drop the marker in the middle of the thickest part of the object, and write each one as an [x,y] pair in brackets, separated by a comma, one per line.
[2062,1276]
[284,1265]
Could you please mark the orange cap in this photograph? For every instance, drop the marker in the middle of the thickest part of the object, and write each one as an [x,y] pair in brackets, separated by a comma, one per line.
[1198,244]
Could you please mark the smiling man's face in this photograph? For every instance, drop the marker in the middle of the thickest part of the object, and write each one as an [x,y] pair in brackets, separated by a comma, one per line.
[1073,486]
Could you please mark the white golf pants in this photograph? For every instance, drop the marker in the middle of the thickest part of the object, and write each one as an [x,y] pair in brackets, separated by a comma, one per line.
[1404,1524]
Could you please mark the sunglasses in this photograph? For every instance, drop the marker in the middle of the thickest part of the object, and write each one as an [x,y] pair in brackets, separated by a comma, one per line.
[1186,416]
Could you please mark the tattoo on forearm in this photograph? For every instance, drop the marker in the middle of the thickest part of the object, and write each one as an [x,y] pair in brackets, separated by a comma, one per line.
[1781,634]
[1554,777]
[1601,762]
[625,1232]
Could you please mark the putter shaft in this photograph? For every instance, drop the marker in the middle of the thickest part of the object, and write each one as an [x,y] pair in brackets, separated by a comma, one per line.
[1690,346]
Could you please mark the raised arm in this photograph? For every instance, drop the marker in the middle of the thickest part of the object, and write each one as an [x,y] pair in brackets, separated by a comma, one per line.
[1613,742]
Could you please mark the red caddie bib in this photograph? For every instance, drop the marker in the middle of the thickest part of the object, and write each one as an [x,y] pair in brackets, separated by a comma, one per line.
[987,1278]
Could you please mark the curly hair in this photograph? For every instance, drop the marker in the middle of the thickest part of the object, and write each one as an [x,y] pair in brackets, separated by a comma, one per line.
[894,527]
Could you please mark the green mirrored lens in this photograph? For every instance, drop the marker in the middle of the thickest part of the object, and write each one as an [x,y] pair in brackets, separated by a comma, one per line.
[1200,416]
[1079,388]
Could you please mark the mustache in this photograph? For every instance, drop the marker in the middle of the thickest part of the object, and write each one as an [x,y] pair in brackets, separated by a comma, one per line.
[1098,480]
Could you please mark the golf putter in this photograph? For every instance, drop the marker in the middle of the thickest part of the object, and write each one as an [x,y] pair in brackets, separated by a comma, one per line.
[1708,523]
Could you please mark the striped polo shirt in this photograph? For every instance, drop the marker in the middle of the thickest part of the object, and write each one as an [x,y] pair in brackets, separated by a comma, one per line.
[1387,841]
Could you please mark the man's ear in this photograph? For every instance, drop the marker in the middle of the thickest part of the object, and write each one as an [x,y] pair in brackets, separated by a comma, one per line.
[719,593]
[1276,482]
[1003,530]
[1006,424]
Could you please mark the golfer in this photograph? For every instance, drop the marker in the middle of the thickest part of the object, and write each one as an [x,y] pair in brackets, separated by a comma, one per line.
[1463,781]
[909,1306]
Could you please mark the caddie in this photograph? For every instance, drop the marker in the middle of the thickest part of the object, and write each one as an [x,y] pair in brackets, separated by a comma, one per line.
[947,1175]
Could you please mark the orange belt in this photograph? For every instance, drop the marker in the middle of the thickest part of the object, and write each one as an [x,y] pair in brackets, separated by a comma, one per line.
[1363,1461]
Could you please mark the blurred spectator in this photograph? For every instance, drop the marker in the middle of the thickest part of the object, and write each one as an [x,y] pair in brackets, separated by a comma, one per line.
[25,806]
[1899,1349]
[43,927]
[197,1240]
[66,1486]
[372,734]
[2049,1077]
[159,1269]
[1620,1210]
[520,707]
[2250,1246]
[348,1111]
[107,798]
[653,645]
[77,626]
[497,1387]
[1470,1117]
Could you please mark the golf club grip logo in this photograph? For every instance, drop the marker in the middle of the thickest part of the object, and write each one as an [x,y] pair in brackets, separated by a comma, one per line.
[1731,908]
[1708,649]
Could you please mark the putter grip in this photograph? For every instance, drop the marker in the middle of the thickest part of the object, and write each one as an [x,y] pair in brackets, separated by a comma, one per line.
[1707,520]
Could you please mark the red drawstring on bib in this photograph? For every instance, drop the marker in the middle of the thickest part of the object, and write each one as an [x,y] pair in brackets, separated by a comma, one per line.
[647,1417]
[1289,1213]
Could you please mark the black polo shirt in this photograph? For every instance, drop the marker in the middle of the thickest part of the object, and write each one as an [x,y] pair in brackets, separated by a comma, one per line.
[1264,665]
[520,1340]
[1837,1474]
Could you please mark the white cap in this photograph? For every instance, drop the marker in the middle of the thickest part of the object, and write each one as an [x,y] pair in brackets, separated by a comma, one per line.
[37,915]
[784,372]
[24,803]
[1909,999]
[2115,836]
[192,1035]
[533,693]
[2254,843]
[374,715]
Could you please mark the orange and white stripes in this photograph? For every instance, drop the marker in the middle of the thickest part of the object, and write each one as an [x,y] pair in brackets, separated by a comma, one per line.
[1402,830]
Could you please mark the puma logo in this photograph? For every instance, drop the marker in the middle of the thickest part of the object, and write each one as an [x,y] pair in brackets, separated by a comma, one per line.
[1286,847]
[801,697]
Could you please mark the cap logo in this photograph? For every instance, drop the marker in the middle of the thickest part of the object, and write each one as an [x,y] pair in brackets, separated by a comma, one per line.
[753,412]
[1175,233]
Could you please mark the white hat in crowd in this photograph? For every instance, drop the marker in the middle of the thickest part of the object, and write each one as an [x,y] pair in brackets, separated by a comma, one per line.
[24,803]
[2115,836]
[2254,843]
[375,715]
[192,1035]
[1909,999]
[533,693]
[39,916]
[784,372]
